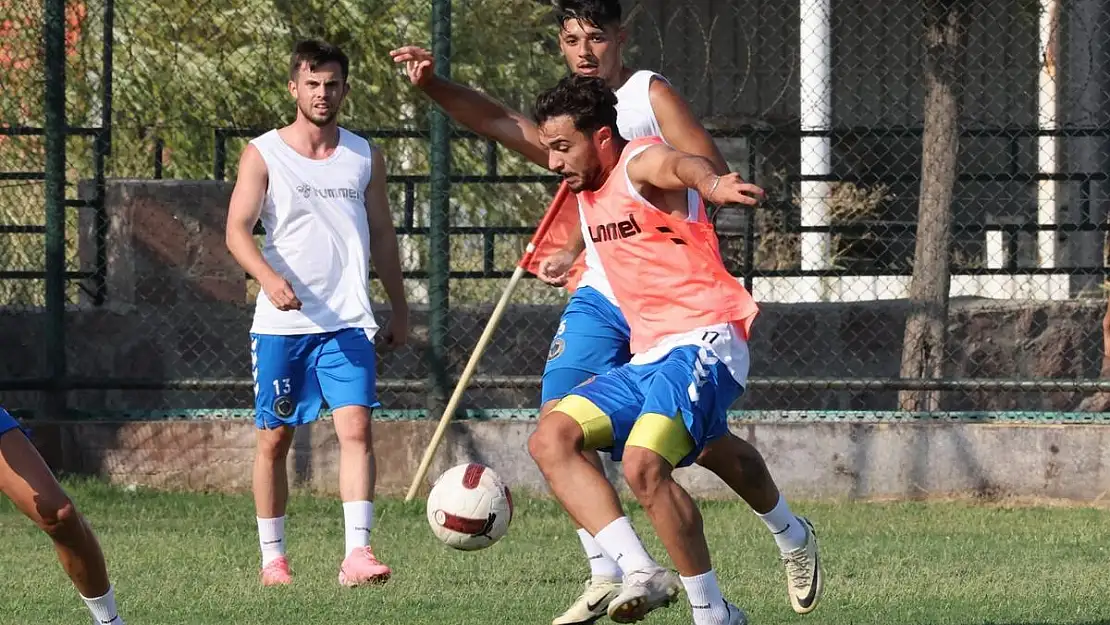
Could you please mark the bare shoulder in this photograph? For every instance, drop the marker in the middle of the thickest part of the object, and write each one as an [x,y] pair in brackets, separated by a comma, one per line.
[251,163]
[662,92]
[647,158]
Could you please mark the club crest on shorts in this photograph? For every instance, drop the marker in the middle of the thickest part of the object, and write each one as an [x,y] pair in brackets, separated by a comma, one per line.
[557,347]
[283,406]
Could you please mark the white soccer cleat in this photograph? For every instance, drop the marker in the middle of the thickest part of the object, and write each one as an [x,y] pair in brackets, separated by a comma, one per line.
[593,603]
[804,581]
[643,592]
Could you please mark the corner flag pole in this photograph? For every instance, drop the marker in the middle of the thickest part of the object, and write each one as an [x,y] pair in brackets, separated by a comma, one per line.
[483,341]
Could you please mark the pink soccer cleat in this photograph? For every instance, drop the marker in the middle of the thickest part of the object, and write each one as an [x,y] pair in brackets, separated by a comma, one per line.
[276,573]
[361,567]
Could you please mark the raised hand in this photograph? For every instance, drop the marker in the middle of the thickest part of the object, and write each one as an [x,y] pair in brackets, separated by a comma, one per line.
[420,65]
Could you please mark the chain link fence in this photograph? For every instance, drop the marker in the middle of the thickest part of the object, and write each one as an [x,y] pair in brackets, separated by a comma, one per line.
[933,239]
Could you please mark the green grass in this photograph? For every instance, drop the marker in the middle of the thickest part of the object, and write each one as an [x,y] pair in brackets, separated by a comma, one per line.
[191,559]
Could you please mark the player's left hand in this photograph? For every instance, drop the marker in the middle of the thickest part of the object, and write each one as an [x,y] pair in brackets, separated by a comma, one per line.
[555,269]
[731,189]
[396,331]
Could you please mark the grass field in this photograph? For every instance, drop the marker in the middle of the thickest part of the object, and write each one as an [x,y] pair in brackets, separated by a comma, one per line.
[192,558]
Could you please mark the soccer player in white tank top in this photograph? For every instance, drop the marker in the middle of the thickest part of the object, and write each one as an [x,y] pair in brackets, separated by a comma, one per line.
[320,192]
[593,336]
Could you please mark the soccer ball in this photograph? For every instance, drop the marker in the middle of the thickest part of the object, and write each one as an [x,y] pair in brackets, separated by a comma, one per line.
[469,507]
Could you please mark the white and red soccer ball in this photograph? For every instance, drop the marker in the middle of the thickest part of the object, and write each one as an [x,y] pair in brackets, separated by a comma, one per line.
[469,507]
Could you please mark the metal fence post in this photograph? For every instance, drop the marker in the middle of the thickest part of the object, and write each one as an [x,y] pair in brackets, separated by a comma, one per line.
[53,33]
[103,150]
[439,250]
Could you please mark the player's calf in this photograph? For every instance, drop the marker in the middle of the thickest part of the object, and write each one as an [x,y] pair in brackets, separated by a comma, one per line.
[679,524]
[671,509]
[270,484]
[357,477]
[28,481]
[740,465]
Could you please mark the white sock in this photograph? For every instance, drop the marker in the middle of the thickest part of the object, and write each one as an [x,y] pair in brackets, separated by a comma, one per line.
[104,608]
[788,530]
[601,565]
[271,538]
[358,519]
[705,599]
[619,538]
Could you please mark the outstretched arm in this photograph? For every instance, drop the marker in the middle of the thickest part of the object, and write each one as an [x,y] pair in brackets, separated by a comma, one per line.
[680,128]
[471,108]
[663,167]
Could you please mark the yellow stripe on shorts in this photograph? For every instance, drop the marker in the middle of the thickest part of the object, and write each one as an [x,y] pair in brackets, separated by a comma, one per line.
[597,428]
[666,436]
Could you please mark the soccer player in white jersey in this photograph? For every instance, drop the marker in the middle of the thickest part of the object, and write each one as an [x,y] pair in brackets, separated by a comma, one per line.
[593,336]
[26,479]
[320,191]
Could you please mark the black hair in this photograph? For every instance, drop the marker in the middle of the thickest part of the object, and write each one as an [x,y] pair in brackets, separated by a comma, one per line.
[599,13]
[315,53]
[588,100]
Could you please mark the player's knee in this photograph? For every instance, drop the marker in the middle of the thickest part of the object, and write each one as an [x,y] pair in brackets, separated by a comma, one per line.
[353,430]
[645,471]
[556,436]
[274,444]
[58,517]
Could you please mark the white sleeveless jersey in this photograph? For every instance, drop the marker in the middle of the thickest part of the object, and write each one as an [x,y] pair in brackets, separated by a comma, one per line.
[317,236]
[635,119]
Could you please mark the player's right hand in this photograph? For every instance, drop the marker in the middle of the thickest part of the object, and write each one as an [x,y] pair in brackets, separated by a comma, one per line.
[280,293]
[731,189]
[420,65]
[555,269]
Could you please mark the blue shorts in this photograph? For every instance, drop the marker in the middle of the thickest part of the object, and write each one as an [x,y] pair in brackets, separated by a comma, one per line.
[674,406]
[7,422]
[592,338]
[294,375]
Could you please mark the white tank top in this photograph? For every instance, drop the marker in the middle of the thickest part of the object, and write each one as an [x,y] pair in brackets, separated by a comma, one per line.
[635,119]
[317,236]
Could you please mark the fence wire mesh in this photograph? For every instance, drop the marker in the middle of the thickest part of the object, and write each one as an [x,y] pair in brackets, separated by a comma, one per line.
[933,238]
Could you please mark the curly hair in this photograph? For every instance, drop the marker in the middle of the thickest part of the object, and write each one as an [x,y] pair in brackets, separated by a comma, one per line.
[585,99]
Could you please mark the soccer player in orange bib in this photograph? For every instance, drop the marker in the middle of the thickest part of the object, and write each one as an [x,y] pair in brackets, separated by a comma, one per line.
[593,335]
[689,320]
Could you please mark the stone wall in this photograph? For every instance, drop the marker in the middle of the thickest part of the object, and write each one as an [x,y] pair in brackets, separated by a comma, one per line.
[178,307]
[837,461]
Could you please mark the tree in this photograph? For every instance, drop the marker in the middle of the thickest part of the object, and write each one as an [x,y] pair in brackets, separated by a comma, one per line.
[924,341]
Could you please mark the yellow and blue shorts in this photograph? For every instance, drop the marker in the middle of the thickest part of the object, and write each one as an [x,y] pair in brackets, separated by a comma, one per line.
[674,406]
